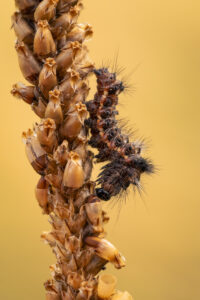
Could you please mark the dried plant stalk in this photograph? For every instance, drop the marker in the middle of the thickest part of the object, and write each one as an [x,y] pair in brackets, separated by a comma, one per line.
[54,60]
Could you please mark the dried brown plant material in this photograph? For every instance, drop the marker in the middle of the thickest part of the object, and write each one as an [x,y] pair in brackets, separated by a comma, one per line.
[29,66]
[46,134]
[47,77]
[42,194]
[46,10]
[25,5]
[21,91]
[39,107]
[106,286]
[44,43]
[54,110]
[22,29]
[122,296]
[68,87]
[65,5]
[106,250]
[61,155]
[73,174]
[80,33]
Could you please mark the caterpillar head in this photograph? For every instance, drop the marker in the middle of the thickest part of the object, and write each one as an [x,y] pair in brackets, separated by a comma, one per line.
[107,81]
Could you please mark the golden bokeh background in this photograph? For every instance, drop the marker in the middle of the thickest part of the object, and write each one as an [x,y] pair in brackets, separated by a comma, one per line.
[158,232]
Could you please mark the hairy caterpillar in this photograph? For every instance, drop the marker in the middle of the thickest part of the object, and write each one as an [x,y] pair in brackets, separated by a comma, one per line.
[125,162]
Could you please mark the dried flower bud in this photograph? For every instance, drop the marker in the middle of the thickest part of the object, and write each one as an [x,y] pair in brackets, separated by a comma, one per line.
[22,30]
[74,121]
[82,91]
[25,5]
[64,23]
[62,153]
[41,193]
[46,134]
[68,87]
[88,165]
[52,296]
[43,42]
[55,179]
[35,153]
[21,91]
[65,5]
[65,58]
[94,213]
[73,174]
[80,32]
[79,146]
[106,286]
[39,108]
[29,66]
[47,78]
[54,110]
[46,10]
[106,250]
[67,295]
[74,280]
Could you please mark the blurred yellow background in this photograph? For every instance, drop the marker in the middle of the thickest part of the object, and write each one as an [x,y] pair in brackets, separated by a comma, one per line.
[159,233]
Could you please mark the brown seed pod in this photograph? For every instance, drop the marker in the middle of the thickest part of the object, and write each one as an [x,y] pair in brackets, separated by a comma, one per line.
[73,174]
[106,250]
[80,32]
[37,156]
[79,146]
[21,91]
[74,121]
[46,10]
[65,5]
[29,66]
[46,134]
[82,91]
[44,44]
[47,78]
[66,57]
[62,153]
[39,107]
[54,110]
[22,30]
[41,193]
[52,296]
[65,21]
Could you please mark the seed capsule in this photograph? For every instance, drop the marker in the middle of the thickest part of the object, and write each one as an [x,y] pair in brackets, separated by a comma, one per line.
[73,174]
[43,42]
[54,110]
[79,146]
[62,153]
[39,108]
[65,5]
[74,121]
[47,78]
[106,286]
[80,33]
[25,5]
[68,87]
[22,30]
[46,134]
[64,23]
[29,66]
[41,193]
[106,250]
[65,59]
[23,92]
[46,10]
[52,296]
[35,153]
[82,91]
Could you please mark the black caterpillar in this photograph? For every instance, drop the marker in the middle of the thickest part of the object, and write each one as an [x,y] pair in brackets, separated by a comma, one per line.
[125,162]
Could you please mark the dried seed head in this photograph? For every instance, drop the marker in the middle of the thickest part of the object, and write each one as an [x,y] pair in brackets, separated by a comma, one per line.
[55,179]
[82,91]
[47,78]
[23,92]
[29,66]
[106,250]
[87,289]
[22,30]
[73,174]
[79,146]
[39,108]
[122,296]
[35,153]
[106,286]
[45,10]
[74,280]
[68,87]
[80,33]
[46,134]
[94,213]
[54,110]
[41,193]
[62,153]
[74,121]
[65,5]
[66,57]
[52,296]
[44,44]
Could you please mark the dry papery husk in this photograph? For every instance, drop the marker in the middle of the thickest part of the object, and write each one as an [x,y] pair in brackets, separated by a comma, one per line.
[106,286]
[122,296]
